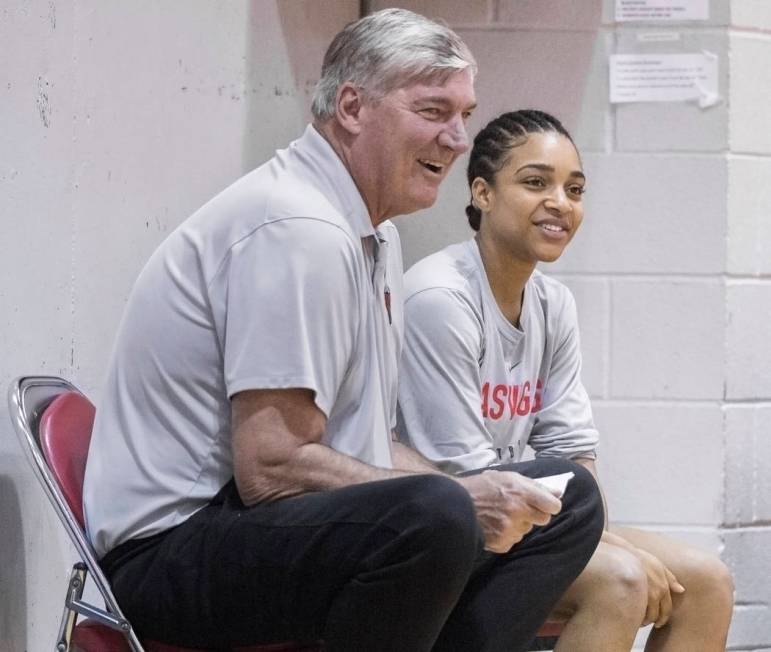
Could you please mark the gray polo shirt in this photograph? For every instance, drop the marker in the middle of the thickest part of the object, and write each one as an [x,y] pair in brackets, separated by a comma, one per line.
[280,281]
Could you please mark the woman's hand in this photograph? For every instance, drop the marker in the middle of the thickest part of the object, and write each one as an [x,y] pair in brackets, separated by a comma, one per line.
[661,584]
[508,506]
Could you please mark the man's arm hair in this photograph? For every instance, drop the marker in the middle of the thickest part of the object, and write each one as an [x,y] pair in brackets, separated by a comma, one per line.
[277,449]
[408,459]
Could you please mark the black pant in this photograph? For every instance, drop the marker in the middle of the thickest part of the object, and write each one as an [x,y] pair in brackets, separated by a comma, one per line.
[392,566]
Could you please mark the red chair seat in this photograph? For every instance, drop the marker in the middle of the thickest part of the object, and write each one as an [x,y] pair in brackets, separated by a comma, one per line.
[551,629]
[91,636]
[153,646]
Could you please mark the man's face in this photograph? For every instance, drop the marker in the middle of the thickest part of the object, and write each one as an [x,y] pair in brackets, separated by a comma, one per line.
[407,143]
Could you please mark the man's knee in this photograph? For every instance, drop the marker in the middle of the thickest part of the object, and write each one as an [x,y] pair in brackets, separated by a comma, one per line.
[439,512]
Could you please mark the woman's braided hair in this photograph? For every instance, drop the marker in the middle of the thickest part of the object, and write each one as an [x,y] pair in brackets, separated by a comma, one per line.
[493,144]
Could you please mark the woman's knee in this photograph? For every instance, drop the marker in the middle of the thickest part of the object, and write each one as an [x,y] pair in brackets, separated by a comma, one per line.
[707,580]
[618,584]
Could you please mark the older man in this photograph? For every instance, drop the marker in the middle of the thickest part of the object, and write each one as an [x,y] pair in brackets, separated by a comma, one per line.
[242,483]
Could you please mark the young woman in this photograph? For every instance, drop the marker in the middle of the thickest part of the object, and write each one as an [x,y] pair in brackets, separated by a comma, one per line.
[492,362]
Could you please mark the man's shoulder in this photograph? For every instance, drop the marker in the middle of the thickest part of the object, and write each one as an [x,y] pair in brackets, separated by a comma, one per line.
[271,197]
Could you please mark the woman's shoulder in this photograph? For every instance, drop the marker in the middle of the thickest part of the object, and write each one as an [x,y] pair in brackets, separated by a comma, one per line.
[555,298]
[450,269]
[549,287]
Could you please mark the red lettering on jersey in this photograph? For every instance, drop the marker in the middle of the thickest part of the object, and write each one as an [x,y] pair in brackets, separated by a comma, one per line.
[519,398]
[538,392]
[498,392]
[513,396]
[523,407]
[485,394]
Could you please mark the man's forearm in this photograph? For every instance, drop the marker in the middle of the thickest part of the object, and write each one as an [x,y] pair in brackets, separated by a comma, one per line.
[406,459]
[310,467]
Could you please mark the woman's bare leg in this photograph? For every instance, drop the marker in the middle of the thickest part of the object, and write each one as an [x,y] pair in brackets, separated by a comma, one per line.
[700,616]
[605,605]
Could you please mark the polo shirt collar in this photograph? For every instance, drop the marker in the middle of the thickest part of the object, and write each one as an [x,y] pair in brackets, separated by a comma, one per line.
[340,185]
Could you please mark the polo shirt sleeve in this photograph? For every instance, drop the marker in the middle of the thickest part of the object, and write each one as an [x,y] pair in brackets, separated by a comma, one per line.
[439,413]
[564,426]
[292,302]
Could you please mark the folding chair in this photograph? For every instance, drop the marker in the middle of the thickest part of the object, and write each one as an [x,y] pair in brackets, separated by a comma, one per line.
[53,421]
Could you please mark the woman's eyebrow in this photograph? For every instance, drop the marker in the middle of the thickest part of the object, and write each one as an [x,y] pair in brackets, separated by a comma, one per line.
[544,167]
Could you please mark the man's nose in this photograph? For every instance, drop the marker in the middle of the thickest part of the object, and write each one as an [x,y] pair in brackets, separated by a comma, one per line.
[454,135]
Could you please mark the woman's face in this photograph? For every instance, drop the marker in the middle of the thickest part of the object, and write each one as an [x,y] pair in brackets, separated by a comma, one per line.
[533,208]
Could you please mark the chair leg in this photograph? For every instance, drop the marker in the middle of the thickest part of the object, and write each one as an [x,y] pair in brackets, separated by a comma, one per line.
[74,606]
[70,616]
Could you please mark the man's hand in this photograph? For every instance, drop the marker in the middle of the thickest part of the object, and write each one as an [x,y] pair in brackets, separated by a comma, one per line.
[661,584]
[508,506]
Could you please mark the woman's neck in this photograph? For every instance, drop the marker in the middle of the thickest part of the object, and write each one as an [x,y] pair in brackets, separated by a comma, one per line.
[507,277]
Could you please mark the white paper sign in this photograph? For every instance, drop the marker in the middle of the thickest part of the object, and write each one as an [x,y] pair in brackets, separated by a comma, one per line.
[664,10]
[664,78]
[557,483]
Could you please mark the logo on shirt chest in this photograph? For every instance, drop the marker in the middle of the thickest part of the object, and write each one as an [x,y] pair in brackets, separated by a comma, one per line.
[510,401]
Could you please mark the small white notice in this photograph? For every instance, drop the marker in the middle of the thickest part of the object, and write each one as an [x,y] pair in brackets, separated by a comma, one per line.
[664,78]
[663,10]
[557,483]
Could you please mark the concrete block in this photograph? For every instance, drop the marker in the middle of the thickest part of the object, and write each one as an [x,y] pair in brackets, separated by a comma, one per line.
[749,208]
[306,28]
[748,464]
[750,628]
[554,14]
[561,72]
[674,126]
[739,464]
[452,12]
[427,231]
[748,349]
[592,300]
[748,554]
[749,127]
[651,214]
[661,463]
[592,129]
[667,339]
[750,14]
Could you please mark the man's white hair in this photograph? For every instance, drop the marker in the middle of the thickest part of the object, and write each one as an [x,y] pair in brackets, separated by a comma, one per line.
[386,50]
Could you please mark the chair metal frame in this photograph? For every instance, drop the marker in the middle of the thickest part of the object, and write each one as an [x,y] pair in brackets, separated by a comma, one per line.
[28,397]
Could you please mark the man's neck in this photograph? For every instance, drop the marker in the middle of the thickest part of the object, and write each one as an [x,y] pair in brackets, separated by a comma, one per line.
[341,142]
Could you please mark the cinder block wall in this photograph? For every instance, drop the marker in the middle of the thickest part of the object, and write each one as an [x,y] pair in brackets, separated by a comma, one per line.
[671,269]
[747,384]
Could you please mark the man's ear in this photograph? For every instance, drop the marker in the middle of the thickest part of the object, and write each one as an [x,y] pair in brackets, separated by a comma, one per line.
[481,194]
[348,107]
